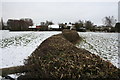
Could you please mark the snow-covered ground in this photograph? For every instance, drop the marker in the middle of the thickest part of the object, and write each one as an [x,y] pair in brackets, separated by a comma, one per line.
[103,44]
[17,46]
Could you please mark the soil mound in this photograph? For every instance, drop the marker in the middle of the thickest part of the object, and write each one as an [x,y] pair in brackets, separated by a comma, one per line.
[71,35]
[58,58]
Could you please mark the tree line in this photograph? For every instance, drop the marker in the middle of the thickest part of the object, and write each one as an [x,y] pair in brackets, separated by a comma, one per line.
[24,23]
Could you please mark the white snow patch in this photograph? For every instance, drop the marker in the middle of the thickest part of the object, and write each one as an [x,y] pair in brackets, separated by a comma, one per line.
[103,44]
[17,46]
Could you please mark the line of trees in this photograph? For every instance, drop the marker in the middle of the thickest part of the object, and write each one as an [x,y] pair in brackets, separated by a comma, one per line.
[109,25]
[24,23]
[78,25]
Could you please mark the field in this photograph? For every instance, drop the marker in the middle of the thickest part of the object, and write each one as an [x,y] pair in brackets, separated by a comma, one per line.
[103,44]
[17,46]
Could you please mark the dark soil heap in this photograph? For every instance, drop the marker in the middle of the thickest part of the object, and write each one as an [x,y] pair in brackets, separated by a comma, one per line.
[71,35]
[58,58]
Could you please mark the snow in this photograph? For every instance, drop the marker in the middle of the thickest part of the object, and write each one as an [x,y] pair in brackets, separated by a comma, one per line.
[17,46]
[103,44]
[6,34]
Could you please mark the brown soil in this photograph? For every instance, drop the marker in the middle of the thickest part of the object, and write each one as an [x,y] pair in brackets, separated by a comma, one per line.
[58,58]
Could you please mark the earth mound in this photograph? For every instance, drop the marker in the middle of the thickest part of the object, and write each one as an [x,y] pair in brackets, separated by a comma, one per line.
[58,58]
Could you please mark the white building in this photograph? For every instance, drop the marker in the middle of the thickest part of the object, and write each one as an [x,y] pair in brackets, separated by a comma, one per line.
[53,27]
[32,26]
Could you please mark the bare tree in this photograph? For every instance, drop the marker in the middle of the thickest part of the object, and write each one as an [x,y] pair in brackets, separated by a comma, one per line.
[109,21]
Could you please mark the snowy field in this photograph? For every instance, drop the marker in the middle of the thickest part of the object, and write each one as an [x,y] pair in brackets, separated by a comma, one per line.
[17,46]
[103,44]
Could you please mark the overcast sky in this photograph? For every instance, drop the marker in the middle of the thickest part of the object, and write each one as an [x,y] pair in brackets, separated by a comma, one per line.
[60,11]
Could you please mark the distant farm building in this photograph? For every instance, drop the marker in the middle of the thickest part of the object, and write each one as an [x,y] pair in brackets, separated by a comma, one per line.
[54,27]
[33,28]
[16,25]
[38,28]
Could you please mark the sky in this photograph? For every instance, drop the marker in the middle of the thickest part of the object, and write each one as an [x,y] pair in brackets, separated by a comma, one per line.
[119,11]
[59,11]
[59,0]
